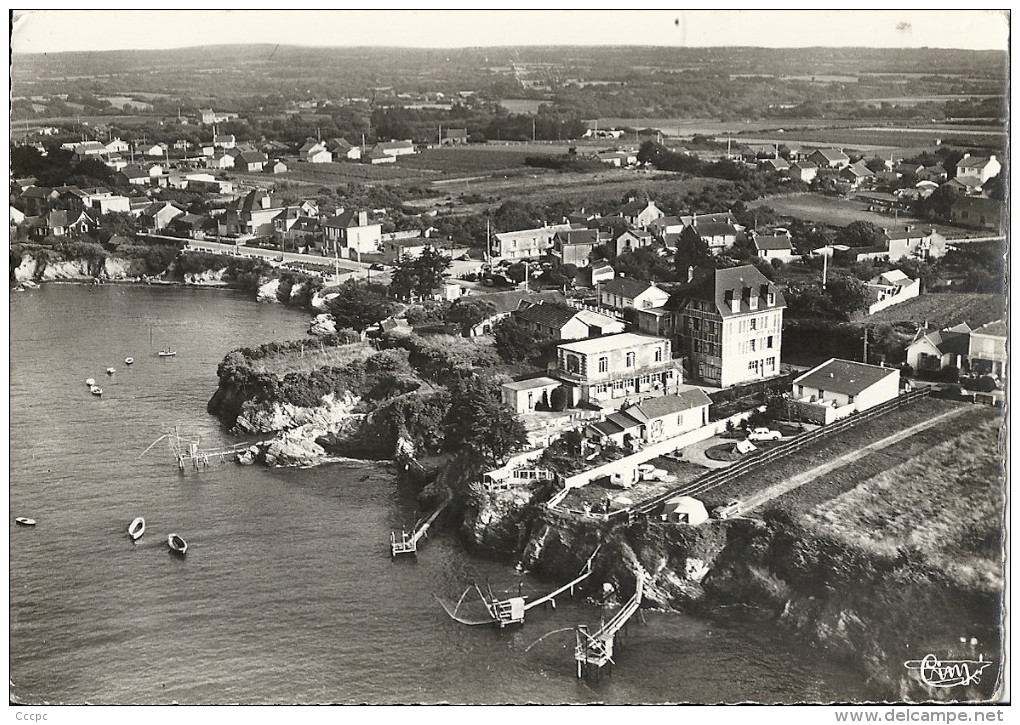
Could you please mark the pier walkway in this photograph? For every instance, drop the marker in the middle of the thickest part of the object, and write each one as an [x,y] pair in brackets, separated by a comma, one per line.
[596,650]
[407,542]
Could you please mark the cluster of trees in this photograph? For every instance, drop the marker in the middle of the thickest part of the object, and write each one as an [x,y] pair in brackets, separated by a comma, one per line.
[359,305]
[419,276]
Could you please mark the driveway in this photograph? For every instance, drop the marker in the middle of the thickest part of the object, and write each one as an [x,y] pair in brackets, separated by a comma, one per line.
[695,453]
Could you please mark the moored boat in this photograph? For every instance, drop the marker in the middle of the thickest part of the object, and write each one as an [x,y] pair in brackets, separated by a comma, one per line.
[167,353]
[137,528]
[177,544]
[110,371]
[96,390]
[90,382]
[128,360]
[24,521]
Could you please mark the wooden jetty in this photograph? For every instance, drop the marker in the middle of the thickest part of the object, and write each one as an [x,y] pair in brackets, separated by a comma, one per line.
[511,611]
[407,542]
[595,651]
[189,454]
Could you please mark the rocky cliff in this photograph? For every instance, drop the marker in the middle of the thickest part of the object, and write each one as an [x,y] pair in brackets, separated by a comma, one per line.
[31,270]
[870,610]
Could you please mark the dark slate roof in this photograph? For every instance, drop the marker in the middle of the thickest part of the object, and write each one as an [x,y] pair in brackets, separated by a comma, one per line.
[715,229]
[712,285]
[668,404]
[509,301]
[996,328]
[633,207]
[626,286]
[252,157]
[772,242]
[548,315]
[844,376]
[832,154]
[578,236]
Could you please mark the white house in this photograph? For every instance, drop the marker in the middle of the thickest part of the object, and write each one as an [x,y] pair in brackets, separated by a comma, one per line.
[932,350]
[890,288]
[522,396]
[774,246]
[838,388]
[981,167]
[621,293]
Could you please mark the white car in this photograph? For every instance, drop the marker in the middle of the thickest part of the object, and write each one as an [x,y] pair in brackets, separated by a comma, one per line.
[764,434]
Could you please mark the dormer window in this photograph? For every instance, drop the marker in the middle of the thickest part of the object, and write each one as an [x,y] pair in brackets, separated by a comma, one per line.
[771,299]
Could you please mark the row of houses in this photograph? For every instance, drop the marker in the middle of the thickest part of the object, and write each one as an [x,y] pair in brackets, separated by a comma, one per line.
[982,351]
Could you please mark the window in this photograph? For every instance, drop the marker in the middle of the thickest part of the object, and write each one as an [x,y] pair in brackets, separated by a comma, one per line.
[753,366]
[658,354]
[768,341]
[573,364]
[771,362]
[603,365]
[754,344]
[630,359]
[754,323]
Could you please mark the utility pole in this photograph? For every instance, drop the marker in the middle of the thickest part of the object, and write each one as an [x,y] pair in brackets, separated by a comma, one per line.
[865,345]
[825,264]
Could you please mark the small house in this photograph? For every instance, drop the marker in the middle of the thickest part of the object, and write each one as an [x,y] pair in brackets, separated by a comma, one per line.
[932,350]
[838,388]
[621,293]
[524,395]
[684,510]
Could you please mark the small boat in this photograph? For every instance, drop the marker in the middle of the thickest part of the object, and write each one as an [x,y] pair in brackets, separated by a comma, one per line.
[128,360]
[167,353]
[90,382]
[96,390]
[25,521]
[110,371]
[137,528]
[177,544]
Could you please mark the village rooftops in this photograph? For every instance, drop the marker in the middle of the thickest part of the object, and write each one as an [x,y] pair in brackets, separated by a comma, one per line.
[845,377]
[505,302]
[531,384]
[619,341]
[714,229]
[772,242]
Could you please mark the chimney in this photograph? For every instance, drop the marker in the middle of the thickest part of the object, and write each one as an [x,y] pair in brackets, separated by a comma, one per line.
[362,218]
[992,157]
[965,156]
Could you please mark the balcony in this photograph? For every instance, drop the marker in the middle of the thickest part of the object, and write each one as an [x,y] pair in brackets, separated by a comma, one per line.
[595,378]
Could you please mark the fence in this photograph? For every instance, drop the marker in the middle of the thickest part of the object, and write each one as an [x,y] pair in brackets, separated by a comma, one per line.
[717,478]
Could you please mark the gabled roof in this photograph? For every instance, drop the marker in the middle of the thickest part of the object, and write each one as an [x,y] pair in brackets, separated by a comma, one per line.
[662,406]
[632,208]
[504,302]
[251,157]
[743,282]
[548,315]
[344,220]
[772,242]
[714,229]
[971,162]
[36,192]
[806,165]
[995,329]
[626,287]
[844,376]
[578,236]
[831,154]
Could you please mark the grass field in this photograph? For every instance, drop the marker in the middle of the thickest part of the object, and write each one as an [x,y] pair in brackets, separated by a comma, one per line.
[944,309]
[946,500]
[311,359]
[840,212]
[457,160]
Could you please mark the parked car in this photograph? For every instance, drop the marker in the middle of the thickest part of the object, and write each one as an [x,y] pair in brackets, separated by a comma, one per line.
[729,510]
[764,434]
[376,267]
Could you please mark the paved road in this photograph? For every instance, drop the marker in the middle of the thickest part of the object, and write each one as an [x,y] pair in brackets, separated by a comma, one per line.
[289,258]
[799,480]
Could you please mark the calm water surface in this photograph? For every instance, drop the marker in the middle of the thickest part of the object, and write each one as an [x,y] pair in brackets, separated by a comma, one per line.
[288,593]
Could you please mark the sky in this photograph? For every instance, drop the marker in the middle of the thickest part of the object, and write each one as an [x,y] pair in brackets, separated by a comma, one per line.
[48,31]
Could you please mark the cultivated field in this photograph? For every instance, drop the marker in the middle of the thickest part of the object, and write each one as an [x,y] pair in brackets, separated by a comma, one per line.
[848,441]
[946,500]
[944,309]
[475,159]
[840,212]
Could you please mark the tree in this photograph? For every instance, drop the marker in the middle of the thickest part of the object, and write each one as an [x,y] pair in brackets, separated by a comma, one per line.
[691,251]
[118,223]
[560,276]
[359,306]
[645,263]
[876,164]
[847,295]
[514,342]
[418,276]
[469,311]
[479,420]
[859,234]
